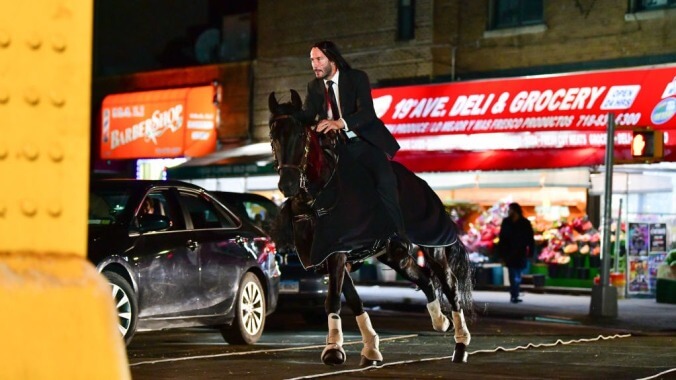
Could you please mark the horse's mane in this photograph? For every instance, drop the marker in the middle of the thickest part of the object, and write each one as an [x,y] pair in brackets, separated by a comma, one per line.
[322,145]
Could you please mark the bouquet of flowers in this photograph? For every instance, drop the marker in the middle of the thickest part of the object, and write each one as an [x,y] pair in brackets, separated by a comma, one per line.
[568,239]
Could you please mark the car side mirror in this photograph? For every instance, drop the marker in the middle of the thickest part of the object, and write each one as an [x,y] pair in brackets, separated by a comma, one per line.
[153,222]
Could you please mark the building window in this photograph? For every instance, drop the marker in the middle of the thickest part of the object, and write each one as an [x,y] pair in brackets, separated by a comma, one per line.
[648,5]
[514,13]
[406,20]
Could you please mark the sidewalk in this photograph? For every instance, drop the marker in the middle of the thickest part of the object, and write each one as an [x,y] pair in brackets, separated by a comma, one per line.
[637,315]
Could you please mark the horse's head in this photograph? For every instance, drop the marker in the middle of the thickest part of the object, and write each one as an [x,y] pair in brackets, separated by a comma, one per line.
[292,143]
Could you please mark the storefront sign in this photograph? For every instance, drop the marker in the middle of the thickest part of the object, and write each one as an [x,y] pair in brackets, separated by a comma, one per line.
[556,114]
[159,124]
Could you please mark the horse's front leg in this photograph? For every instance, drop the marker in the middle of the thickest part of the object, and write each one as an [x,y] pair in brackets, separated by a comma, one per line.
[370,353]
[334,353]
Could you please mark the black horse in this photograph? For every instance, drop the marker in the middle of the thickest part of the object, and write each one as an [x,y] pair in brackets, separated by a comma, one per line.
[335,220]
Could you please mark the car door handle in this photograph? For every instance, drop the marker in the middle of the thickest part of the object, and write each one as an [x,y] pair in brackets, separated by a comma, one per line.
[192,245]
[240,240]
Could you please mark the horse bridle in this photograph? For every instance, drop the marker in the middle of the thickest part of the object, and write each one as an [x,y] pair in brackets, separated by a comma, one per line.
[302,167]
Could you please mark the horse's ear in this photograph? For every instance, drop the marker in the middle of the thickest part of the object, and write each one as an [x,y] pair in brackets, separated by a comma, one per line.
[272,102]
[295,99]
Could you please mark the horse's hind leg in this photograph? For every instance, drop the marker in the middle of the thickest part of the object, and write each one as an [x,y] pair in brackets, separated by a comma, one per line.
[442,269]
[334,353]
[370,353]
[397,258]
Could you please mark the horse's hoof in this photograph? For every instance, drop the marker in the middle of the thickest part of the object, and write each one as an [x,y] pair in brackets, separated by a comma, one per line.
[459,354]
[366,362]
[333,355]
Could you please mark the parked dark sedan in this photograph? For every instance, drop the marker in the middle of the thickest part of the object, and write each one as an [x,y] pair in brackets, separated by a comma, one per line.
[300,290]
[177,257]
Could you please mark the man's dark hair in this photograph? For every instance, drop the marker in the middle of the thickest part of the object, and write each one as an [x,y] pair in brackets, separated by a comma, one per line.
[331,52]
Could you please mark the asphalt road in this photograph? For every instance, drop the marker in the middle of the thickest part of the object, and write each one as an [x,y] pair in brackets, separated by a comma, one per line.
[290,349]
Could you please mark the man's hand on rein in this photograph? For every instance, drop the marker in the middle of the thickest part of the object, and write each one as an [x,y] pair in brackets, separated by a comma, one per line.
[329,125]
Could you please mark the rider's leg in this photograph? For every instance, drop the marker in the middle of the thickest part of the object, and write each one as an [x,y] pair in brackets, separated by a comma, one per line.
[334,353]
[370,353]
[379,167]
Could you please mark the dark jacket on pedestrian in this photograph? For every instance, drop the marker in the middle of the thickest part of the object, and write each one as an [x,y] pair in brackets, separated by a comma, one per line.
[516,242]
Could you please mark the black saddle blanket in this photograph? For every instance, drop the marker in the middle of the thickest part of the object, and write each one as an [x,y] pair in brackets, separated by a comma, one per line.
[355,220]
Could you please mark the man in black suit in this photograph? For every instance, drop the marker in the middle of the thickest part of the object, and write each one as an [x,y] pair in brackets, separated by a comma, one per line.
[339,99]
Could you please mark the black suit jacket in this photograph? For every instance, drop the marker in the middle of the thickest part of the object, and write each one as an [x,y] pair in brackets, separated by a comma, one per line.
[356,106]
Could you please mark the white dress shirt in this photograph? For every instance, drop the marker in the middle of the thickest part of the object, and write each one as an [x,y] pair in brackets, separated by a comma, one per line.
[336,91]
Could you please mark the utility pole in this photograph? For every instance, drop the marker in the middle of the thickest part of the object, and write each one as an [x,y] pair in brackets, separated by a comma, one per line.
[604,296]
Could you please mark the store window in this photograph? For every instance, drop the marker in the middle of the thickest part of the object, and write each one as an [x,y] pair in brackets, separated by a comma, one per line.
[203,213]
[649,5]
[406,20]
[514,13]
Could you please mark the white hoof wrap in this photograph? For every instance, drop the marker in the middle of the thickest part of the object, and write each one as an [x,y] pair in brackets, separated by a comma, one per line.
[439,321]
[371,350]
[335,330]
[462,334]
[333,353]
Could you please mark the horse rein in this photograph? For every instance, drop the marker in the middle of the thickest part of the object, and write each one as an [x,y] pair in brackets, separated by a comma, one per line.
[302,167]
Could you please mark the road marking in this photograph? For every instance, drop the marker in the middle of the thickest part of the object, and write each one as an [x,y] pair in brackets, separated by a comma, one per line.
[499,348]
[657,375]
[396,337]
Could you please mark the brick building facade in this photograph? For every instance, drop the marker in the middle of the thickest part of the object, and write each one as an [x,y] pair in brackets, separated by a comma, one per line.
[452,40]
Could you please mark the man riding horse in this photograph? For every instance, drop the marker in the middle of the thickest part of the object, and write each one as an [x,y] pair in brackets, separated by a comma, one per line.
[339,99]
[344,203]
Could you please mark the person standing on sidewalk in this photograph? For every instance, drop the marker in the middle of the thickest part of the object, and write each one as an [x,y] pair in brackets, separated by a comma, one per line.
[516,244]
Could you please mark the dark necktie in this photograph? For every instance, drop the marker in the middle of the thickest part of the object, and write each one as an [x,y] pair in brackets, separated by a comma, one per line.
[332,101]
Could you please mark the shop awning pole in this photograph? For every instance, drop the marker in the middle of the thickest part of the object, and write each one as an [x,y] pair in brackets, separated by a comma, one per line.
[618,229]
[604,296]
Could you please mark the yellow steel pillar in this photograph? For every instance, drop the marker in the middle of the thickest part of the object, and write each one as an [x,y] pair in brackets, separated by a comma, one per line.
[57,319]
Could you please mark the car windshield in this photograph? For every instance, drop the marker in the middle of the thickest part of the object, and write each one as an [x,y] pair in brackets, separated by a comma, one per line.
[105,206]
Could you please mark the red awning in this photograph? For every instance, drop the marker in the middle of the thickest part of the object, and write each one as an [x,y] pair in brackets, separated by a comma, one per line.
[552,121]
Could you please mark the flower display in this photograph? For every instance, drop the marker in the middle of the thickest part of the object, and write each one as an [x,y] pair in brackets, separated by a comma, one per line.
[567,238]
[482,235]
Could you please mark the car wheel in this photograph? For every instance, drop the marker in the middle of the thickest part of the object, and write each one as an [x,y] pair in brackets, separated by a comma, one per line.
[247,326]
[125,304]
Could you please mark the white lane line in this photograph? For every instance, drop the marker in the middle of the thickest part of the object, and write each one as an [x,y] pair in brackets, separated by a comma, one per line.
[499,348]
[396,337]
[655,376]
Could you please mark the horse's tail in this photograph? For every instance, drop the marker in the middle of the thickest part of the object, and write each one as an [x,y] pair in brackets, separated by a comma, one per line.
[458,258]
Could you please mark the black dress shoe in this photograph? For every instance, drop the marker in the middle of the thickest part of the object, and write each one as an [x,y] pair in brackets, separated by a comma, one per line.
[516,300]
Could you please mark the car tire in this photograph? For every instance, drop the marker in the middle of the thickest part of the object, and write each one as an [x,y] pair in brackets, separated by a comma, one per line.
[125,304]
[250,309]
